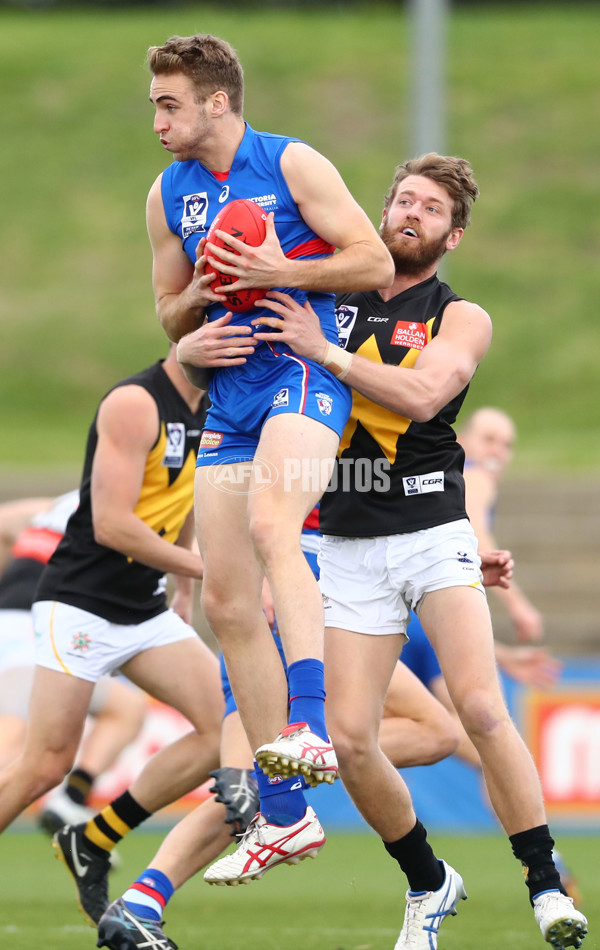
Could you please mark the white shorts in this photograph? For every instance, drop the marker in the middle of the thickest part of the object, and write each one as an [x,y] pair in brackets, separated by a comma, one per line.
[71,640]
[370,585]
[17,666]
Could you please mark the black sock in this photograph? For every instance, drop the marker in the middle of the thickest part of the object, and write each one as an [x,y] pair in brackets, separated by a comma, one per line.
[533,848]
[416,858]
[78,785]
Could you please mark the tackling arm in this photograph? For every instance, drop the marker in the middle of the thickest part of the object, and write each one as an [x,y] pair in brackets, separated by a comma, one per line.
[441,371]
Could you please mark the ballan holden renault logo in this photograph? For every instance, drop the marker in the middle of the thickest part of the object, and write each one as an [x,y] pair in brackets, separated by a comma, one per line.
[232,475]
[411,335]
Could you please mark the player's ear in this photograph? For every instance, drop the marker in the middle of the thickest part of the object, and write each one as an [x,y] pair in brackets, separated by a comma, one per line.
[454,238]
[383,217]
[218,103]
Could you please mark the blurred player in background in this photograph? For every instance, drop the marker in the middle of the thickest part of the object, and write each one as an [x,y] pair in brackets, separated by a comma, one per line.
[487,437]
[274,407]
[32,528]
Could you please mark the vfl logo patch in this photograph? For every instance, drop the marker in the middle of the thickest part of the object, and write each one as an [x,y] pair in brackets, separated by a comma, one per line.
[409,334]
[211,439]
[282,398]
[173,457]
[421,484]
[346,318]
[194,213]
[325,403]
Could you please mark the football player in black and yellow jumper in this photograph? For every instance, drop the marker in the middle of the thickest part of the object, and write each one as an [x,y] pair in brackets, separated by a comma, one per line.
[101,602]
[397,537]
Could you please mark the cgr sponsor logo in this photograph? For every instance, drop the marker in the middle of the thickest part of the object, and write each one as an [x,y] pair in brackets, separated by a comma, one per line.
[421,484]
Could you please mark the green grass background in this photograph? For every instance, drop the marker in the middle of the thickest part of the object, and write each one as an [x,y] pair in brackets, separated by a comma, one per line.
[350,898]
[79,155]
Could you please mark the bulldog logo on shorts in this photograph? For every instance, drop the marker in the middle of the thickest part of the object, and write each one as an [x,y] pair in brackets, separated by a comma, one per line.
[325,403]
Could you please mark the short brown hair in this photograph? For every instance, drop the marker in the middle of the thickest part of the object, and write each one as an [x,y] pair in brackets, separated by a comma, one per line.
[455,174]
[210,63]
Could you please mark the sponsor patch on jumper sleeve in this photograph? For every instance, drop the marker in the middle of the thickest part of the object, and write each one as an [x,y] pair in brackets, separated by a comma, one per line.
[409,334]
[421,484]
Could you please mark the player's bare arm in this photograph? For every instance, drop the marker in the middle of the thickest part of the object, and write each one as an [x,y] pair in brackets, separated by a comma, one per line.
[182,601]
[128,427]
[181,291]
[362,262]
[441,371]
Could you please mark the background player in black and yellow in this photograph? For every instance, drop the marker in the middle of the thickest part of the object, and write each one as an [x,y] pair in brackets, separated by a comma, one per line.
[101,603]
[409,353]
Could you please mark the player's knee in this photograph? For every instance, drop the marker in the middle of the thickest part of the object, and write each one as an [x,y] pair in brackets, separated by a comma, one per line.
[482,715]
[274,535]
[222,609]
[46,772]
[265,534]
[353,742]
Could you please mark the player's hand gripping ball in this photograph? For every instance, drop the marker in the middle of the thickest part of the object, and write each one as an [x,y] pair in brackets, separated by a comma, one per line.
[244,220]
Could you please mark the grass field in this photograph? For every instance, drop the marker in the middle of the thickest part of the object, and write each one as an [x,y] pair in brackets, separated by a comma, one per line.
[351,898]
[76,309]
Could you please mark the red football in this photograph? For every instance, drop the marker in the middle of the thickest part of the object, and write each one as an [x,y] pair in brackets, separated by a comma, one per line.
[244,220]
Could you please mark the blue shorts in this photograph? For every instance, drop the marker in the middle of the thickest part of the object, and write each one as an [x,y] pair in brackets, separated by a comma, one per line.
[230,703]
[418,654]
[273,381]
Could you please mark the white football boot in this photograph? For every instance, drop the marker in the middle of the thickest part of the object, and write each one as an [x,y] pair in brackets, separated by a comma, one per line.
[298,751]
[561,925]
[426,911]
[264,846]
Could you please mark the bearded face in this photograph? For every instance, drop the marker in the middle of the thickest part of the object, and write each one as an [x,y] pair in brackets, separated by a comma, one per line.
[411,252]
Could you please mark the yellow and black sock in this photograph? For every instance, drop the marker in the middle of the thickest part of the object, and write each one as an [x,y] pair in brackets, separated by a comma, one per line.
[79,784]
[114,822]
